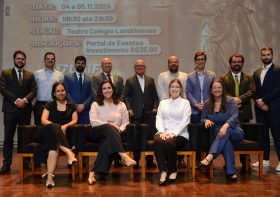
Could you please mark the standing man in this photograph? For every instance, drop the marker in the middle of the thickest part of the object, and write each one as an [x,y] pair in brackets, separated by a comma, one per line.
[197,86]
[164,79]
[78,86]
[142,101]
[45,78]
[18,88]
[267,103]
[106,65]
[241,87]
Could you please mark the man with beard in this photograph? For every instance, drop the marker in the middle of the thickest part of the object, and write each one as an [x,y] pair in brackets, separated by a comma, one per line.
[78,86]
[45,78]
[164,79]
[267,103]
[18,88]
[241,87]
[106,65]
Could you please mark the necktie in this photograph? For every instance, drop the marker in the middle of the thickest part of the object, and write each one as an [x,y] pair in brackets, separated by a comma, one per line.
[236,85]
[80,80]
[19,77]
[109,78]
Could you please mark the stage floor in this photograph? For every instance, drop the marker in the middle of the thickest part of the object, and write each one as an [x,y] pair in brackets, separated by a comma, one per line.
[119,184]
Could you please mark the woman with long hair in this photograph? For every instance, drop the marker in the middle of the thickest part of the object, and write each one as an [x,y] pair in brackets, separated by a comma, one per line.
[173,117]
[221,112]
[109,118]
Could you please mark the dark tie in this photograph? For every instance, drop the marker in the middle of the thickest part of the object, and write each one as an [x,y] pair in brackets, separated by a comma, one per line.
[80,80]
[109,78]
[19,77]
[236,85]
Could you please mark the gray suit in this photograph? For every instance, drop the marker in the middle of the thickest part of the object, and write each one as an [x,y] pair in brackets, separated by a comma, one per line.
[117,81]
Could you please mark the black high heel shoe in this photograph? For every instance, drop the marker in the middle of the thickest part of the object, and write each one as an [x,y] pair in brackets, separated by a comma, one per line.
[172,177]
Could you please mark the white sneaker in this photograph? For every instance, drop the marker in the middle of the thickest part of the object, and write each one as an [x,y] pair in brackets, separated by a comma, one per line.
[266,163]
[278,167]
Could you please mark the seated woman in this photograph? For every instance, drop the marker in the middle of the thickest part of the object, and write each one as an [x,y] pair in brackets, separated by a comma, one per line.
[221,112]
[173,117]
[57,116]
[109,118]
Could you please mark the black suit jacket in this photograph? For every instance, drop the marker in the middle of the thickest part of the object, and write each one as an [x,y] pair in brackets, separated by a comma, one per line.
[246,92]
[11,90]
[117,80]
[138,101]
[270,90]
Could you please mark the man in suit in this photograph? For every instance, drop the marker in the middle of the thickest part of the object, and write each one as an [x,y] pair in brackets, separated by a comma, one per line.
[45,78]
[197,90]
[241,87]
[18,87]
[106,65]
[197,86]
[142,101]
[267,103]
[78,86]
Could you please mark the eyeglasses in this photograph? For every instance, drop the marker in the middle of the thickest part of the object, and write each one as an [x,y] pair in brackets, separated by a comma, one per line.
[202,59]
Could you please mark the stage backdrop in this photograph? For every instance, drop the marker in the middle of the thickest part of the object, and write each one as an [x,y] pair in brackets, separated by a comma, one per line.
[150,29]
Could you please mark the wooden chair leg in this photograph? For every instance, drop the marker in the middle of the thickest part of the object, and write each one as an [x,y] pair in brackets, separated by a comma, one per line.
[131,173]
[73,172]
[247,162]
[80,163]
[211,169]
[143,165]
[193,164]
[32,165]
[260,164]
[21,169]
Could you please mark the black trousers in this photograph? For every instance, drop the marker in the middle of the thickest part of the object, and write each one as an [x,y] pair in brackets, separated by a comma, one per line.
[166,152]
[271,121]
[11,120]
[147,118]
[110,143]
[38,110]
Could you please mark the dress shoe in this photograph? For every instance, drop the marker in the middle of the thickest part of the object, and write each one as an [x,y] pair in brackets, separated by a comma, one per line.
[91,178]
[49,183]
[5,169]
[162,179]
[172,177]
[232,177]
[266,163]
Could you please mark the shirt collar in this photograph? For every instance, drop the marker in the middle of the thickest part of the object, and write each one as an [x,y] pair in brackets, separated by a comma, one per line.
[48,70]
[267,67]
[238,74]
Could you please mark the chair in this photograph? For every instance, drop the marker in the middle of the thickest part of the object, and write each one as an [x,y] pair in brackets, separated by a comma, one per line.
[188,149]
[251,144]
[27,147]
[86,148]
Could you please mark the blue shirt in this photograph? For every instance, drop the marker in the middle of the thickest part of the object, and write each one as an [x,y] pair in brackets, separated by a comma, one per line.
[45,79]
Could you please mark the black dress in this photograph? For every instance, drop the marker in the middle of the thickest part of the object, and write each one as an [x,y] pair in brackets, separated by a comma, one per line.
[51,136]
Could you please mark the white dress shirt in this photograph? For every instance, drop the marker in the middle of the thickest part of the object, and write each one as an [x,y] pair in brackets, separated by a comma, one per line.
[141,81]
[164,79]
[238,76]
[173,116]
[264,71]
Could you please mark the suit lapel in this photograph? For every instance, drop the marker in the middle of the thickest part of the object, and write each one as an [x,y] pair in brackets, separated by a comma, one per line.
[267,75]
[138,84]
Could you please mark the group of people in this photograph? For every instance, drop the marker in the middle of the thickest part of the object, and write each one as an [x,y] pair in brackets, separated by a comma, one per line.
[109,105]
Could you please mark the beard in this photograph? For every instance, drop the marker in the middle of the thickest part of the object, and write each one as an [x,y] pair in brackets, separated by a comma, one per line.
[19,66]
[236,68]
[266,61]
[80,69]
[173,69]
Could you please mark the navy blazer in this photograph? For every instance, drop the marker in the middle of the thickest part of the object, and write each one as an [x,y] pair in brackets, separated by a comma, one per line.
[193,90]
[11,90]
[79,94]
[269,91]
[117,80]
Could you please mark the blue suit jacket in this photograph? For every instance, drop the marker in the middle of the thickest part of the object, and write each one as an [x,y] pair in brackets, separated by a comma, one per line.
[193,90]
[79,95]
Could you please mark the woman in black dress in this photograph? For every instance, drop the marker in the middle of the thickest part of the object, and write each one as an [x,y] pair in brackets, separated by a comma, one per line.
[57,116]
